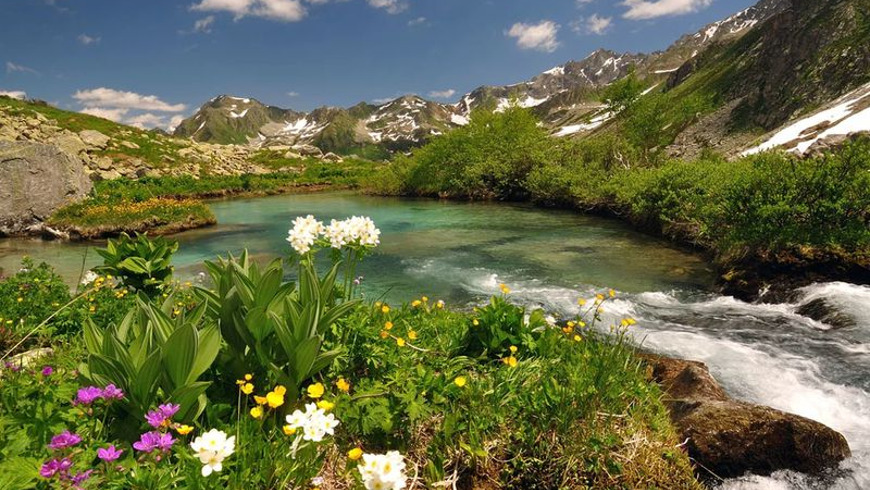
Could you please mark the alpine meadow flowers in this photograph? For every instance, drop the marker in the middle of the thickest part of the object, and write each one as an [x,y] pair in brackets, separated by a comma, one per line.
[212,448]
[383,471]
[314,423]
[354,232]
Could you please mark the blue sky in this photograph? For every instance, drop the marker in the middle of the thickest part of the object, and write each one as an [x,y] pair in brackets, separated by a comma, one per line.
[149,61]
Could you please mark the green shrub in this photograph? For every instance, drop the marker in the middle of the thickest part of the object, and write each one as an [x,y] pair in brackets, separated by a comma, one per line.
[499,326]
[143,263]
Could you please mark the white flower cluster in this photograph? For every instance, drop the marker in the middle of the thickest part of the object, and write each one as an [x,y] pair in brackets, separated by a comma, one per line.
[358,230]
[383,471]
[212,448]
[89,277]
[355,231]
[315,423]
[304,233]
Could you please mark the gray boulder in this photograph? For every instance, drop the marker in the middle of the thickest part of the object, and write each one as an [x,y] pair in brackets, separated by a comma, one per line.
[69,143]
[35,180]
[94,139]
[308,151]
[332,158]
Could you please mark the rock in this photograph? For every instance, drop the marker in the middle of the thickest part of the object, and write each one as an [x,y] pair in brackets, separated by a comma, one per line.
[819,310]
[292,155]
[308,151]
[36,180]
[730,438]
[105,163]
[106,175]
[94,139]
[332,158]
[129,144]
[69,142]
[29,358]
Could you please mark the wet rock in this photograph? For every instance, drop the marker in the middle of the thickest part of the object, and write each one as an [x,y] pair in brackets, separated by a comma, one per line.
[729,438]
[819,310]
[94,139]
[36,180]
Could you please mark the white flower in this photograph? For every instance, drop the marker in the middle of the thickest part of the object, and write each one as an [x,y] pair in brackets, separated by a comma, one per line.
[212,448]
[314,422]
[551,320]
[383,471]
[355,231]
[89,277]
[304,233]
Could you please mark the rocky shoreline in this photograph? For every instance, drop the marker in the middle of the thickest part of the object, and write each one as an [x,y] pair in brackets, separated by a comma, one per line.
[726,438]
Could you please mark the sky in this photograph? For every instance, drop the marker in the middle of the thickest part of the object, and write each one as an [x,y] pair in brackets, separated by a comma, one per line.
[152,62]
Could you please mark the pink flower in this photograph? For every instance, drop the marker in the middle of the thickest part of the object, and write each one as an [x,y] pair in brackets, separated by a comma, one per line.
[64,440]
[87,395]
[47,371]
[109,454]
[150,441]
[54,467]
[112,392]
[160,417]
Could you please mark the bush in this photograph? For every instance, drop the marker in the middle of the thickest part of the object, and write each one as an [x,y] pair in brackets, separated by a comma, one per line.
[142,264]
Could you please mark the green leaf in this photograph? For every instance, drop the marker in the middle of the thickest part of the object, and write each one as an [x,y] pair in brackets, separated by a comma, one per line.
[179,354]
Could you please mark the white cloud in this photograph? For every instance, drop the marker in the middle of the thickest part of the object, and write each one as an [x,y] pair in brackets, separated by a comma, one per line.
[383,100]
[146,120]
[282,10]
[594,24]
[14,67]
[88,40]
[15,94]
[292,93]
[111,98]
[582,3]
[646,9]
[203,25]
[391,6]
[110,114]
[417,21]
[540,36]
[442,94]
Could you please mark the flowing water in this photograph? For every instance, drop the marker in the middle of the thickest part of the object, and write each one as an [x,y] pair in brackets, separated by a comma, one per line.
[766,354]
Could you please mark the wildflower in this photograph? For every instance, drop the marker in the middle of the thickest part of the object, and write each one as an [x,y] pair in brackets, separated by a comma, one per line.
[355,231]
[400,342]
[384,334]
[55,467]
[551,320]
[112,392]
[424,299]
[89,277]
[325,405]
[314,422]
[412,335]
[257,412]
[510,361]
[161,416]
[64,440]
[475,322]
[304,233]
[416,303]
[388,326]
[109,454]
[440,304]
[460,381]
[316,390]
[212,448]
[288,430]
[47,371]
[385,309]
[342,385]
[247,388]
[355,454]
[87,395]
[577,338]
[581,302]
[383,471]
[504,289]
[151,441]
[260,400]
[183,429]
[275,398]
[513,349]
[80,478]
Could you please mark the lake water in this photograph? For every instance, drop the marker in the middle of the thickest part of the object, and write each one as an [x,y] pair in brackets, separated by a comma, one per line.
[460,252]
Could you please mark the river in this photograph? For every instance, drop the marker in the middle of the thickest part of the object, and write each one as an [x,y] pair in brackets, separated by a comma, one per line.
[460,252]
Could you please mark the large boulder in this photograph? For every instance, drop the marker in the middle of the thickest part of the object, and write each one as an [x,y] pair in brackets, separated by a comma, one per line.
[308,151]
[94,139]
[35,180]
[729,438]
[69,143]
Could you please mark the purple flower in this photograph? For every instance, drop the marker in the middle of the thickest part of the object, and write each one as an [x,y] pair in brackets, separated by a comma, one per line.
[64,440]
[47,370]
[109,454]
[14,367]
[150,441]
[160,417]
[55,466]
[79,478]
[112,392]
[87,395]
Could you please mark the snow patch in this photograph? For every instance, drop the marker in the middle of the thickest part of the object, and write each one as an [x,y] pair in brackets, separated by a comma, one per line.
[239,115]
[459,120]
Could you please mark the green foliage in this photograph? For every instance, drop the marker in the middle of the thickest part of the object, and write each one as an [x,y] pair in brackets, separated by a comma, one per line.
[142,263]
[29,297]
[272,327]
[623,93]
[500,325]
[155,354]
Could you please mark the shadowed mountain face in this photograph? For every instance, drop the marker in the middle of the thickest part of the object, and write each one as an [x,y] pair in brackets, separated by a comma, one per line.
[763,66]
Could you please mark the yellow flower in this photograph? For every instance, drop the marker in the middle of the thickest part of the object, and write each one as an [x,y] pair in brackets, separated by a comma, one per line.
[504,289]
[599,297]
[475,322]
[412,335]
[388,326]
[400,342]
[513,349]
[249,377]
[288,431]
[577,338]
[316,390]
[612,293]
[247,388]
[460,381]
[571,324]
[260,400]
[183,429]
[384,334]
[631,321]
[439,304]
[416,303]
[567,329]
[510,361]
[425,299]
[385,309]
[581,301]
[355,454]
[325,405]
[275,398]
[257,412]
[342,385]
